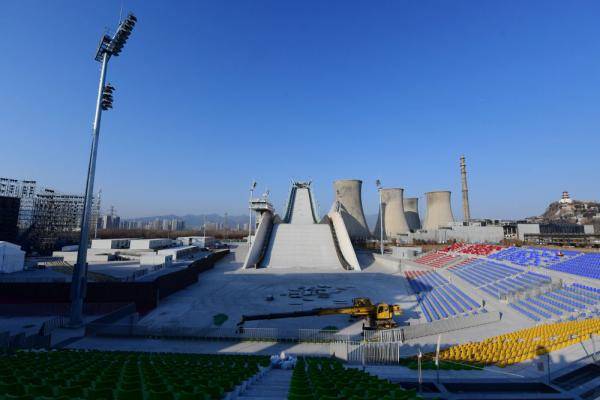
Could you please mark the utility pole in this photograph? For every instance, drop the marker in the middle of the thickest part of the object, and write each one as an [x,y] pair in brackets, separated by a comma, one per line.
[378,183]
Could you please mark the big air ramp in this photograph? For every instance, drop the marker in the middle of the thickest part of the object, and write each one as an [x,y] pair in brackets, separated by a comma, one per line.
[302,245]
[299,241]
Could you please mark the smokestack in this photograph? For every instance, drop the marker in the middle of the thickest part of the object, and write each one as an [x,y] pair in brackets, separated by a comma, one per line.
[348,195]
[465,190]
[411,211]
[394,220]
[439,211]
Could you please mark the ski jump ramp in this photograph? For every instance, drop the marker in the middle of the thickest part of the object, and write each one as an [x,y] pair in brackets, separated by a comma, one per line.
[300,240]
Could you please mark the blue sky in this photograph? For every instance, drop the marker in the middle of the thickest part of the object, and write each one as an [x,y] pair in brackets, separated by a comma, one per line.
[211,95]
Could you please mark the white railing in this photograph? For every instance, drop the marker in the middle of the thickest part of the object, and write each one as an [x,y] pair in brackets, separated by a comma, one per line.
[324,336]
[260,334]
[366,353]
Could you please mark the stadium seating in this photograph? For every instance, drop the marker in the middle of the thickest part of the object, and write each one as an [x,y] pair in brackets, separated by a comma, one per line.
[523,345]
[438,298]
[327,379]
[587,265]
[436,259]
[533,257]
[472,249]
[497,279]
[106,375]
[559,303]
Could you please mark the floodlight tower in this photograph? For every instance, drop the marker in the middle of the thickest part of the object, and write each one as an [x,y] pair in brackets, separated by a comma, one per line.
[108,47]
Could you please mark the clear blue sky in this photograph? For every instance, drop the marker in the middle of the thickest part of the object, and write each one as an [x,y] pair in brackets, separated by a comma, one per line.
[213,94]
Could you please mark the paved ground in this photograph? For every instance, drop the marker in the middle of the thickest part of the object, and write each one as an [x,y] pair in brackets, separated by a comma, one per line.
[230,290]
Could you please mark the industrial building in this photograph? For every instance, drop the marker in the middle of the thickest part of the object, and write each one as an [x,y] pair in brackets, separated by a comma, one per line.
[411,212]
[200,241]
[180,252]
[349,198]
[107,244]
[558,234]
[392,211]
[150,244]
[439,210]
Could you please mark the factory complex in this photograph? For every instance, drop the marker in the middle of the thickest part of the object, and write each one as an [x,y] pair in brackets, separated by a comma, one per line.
[421,302]
[429,302]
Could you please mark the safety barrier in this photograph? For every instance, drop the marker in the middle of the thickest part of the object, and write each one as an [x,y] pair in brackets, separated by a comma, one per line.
[52,324]
[432,328]
[324,336]
[258,334]
[145,294]
[366,353]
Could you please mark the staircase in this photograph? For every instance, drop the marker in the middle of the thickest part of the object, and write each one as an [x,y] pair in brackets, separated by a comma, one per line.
[274,385]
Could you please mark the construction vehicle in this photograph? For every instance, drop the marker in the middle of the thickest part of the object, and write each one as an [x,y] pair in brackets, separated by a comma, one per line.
[378,316]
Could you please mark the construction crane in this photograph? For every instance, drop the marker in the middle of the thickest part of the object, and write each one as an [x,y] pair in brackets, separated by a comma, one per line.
[379,316]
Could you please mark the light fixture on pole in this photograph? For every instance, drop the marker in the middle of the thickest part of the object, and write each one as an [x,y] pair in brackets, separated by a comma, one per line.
[252,187]
[378,184]
[107,48]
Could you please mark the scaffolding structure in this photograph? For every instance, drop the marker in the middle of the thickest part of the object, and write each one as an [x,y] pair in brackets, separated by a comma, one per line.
[46,214]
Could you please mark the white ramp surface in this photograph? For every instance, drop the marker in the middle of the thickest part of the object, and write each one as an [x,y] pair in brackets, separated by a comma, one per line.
[302,212]
[308,246]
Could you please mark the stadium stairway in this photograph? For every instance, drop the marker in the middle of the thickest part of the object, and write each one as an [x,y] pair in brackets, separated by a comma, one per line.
[274,385]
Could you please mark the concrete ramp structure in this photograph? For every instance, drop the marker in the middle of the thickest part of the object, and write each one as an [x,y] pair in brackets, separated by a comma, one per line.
[298,240]
[348,202]
[439,210]
[411,212]
[392,209]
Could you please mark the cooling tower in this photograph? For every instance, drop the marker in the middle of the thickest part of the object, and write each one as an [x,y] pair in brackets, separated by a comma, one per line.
[394,221]
[439,211]
[348,195]
[411,212]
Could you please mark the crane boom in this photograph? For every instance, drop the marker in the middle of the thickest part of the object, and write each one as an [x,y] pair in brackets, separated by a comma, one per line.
[378,314]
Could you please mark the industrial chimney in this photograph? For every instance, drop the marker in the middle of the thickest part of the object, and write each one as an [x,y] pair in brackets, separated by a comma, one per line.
[411,212]
[348,195]
[439,211]
[392,209]
[465,190]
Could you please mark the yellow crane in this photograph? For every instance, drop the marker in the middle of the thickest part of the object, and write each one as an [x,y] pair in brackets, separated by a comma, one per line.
[379,316]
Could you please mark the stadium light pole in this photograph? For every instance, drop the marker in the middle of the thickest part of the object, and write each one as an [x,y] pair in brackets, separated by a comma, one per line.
[252,187]
[378,183]
[108,47]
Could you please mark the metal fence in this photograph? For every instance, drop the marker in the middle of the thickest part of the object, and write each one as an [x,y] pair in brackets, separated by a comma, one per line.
[258,334]
[432,328]
[324,336]
[536,291]
[366,352]
[52,324]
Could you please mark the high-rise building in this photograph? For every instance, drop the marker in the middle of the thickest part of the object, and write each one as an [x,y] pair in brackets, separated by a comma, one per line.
[109,222]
